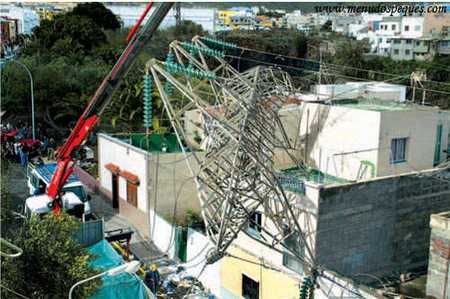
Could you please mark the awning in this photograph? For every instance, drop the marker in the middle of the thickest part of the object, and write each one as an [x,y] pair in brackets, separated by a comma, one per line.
[130,177]
[113,168]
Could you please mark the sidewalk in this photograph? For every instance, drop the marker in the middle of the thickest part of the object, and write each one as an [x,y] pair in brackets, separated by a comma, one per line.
[142,248]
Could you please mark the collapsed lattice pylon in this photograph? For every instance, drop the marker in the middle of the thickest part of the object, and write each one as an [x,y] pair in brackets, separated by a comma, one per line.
[236,177]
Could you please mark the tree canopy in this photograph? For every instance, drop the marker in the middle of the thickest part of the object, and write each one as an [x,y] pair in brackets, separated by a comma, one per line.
[98,13]
[51,261]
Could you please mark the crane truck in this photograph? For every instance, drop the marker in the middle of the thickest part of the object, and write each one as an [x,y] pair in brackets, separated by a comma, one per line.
[55,198]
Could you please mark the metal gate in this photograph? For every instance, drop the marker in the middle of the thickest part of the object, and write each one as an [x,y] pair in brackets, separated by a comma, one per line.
[181,243]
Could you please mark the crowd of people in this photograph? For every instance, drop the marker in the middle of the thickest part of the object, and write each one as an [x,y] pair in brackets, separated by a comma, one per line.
[18,143]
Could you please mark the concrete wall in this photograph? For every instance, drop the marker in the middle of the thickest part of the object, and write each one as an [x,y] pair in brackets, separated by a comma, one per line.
[162,234]
[415,24]
[172,190]
[271,278]
[165,180]
[421,141]
[129,158]
[438,279]
[270,281]
[198,246]
[307,219]
[435,22]
[378,226]
[337,139]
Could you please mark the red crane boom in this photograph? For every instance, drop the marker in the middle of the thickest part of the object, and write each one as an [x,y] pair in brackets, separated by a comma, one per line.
[101,99]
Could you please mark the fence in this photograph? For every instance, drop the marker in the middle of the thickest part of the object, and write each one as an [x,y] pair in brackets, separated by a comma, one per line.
[90,232]
[90,182]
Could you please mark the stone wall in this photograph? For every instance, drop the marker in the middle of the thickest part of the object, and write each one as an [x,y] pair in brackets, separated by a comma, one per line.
[438,282]
[380,226]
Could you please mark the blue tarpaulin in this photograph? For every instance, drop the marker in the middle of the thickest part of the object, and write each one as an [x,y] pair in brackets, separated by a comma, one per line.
[123,285]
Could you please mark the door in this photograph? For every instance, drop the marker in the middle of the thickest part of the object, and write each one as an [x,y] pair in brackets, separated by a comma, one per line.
[181,243]
[115,191]
[437,147]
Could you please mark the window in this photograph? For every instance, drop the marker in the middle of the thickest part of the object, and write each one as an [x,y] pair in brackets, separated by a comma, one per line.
[254,225]
[418,43]
[417,28]
[294,242]
[397,41]
[250,288]
[393,26]
[398,150]
[388,41]
[385,50]
[380,40]
[132,193]
[406,27]
[408,41]
[445,30]
[396,52]
[407,52]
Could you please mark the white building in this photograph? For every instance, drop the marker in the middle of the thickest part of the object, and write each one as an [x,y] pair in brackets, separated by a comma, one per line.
[368,90]
[129,14]
[140,175]
[389,27]
[412,27]
[27,18]
[363,138]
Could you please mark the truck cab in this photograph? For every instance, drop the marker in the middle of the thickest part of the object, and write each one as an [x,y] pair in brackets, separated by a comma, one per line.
[75,199]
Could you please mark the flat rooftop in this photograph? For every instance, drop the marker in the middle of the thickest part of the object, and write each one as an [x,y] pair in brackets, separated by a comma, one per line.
[292,179]
[153,142]
[379,105]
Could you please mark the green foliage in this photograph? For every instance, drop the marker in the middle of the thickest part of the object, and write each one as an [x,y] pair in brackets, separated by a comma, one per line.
[193,219]
[80,33]
[6,218]
[98,13]
[51,261]
[275,41]
[326,27]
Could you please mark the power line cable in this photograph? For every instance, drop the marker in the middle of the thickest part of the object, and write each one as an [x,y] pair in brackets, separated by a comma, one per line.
[334,74]
[331,64]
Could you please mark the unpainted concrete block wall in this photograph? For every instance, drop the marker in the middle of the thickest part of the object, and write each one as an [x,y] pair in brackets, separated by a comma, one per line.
[438,278]
[378,227]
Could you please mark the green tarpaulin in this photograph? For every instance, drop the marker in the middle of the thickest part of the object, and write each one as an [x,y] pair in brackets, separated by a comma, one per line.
[120,286]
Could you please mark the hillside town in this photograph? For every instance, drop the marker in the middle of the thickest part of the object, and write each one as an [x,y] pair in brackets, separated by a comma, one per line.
[399,37]
[167,150]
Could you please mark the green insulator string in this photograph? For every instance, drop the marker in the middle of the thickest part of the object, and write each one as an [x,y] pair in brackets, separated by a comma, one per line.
[147,101]
[191,72]
[191,64]
[207,51]
[218,43]
[170,59]
[307,288]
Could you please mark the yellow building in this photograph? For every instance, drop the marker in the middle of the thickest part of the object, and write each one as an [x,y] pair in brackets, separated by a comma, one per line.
[264,22]
[245,275]
[47,13]
[224,16]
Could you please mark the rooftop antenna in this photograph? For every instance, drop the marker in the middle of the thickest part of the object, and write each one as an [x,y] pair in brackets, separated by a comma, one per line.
[416,81]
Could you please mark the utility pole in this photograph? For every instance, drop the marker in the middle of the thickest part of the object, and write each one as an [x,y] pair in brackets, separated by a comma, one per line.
[178,14]
[320,64]
[416,79]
